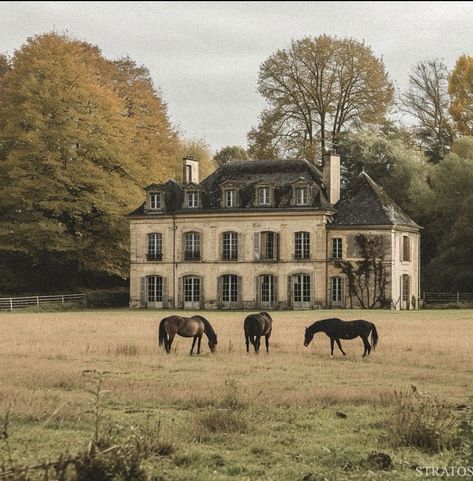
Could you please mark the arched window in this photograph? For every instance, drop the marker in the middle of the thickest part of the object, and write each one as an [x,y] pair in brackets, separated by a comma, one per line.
[406,248]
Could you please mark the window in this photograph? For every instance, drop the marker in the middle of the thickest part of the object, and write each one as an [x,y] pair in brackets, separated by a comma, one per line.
[192,198]
[155,289]
[267,290]
[406,286]
[263,196]
[230,288]
[188,174]
[301,288]
[337,290]
[192,246]
[337,248]
[191,290]
[268,246]
[155,200]
[406,248]
[154,247]
[230,246]
[230,198]
[301,196]
[302,245]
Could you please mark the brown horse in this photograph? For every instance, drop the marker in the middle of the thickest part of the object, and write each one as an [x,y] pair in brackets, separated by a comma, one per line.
[257,325]
[194,326]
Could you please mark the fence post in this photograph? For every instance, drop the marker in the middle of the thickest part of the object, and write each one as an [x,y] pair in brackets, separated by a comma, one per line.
[37,300]
[458,299]
[11,304]
[62,299]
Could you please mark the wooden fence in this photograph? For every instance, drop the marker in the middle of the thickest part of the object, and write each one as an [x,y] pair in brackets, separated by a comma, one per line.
[11,303]
[458,298]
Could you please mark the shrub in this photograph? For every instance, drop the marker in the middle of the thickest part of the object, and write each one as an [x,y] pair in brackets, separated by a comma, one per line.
[222,421]
[421,421]
[465,437]
[107,298]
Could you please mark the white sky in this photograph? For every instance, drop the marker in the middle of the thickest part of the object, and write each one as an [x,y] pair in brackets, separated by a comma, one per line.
[204,56]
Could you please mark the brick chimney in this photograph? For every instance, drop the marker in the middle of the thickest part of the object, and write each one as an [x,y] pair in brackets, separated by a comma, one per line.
[190,170]
[331,175]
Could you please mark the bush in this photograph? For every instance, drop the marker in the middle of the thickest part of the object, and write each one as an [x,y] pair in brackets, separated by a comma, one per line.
[465,437]
[421,421]
[107,298]
[223,421]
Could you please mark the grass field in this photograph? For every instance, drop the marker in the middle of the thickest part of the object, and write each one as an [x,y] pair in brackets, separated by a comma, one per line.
[286,402]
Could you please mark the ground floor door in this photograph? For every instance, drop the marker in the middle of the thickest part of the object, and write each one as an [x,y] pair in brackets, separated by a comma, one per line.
[337,296]
[405,291]
[301,291]
[154,291]
[267,291]
[192,292]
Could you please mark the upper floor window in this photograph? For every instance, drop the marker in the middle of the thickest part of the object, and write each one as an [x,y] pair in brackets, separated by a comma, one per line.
[406,249]
[155,244]
[301,196]
[230,198]
[155,200]
[192,246]
[264,196]
[192,198]
[230,246]
[337,248]
[302,245]
[266,245]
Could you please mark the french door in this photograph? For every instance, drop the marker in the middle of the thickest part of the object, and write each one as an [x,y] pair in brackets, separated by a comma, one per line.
[192,292]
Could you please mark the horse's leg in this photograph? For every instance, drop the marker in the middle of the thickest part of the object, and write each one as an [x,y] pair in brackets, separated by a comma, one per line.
[247,340]
[257,342]
[367,346]
[253,342]
[199,340]
[339,344]
[193,344]
[332,345]
[266,338]
[169,343]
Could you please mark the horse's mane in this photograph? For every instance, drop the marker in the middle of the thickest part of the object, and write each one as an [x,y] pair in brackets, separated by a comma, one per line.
[321,322]
[208,329]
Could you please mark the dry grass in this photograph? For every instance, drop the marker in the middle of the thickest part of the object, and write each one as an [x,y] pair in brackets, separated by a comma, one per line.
[43,357]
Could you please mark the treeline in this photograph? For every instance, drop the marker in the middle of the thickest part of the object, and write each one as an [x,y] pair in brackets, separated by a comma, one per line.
[80,136]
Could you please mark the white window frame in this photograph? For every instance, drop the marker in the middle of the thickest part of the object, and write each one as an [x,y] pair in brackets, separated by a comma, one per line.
[230,197]
[264,196]
[302,245]
[336,290]
[303,296]
[230,246]
[154,289]
[302,195]
[229,288]
[337,248]
[192,199]
[155,246]
[155,200]
[192,246]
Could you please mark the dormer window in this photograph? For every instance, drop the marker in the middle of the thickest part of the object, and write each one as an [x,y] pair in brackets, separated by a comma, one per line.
[301,196]
[230,198]
[264,196]
[192,199]
[155,201]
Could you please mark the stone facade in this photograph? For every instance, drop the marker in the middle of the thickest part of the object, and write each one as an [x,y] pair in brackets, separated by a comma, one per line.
[197,246]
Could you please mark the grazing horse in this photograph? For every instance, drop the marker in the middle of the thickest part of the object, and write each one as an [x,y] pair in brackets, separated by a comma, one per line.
[257,325]
[193,326]
[337,329]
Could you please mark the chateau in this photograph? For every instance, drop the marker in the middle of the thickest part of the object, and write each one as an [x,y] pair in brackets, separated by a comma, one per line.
[272,235]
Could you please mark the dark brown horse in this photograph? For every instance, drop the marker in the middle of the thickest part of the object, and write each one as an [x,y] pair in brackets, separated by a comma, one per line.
[337,329]
[194,326]
[257,325]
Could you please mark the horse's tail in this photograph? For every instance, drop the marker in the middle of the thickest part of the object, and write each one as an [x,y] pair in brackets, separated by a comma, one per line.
[162,336]
[374,336]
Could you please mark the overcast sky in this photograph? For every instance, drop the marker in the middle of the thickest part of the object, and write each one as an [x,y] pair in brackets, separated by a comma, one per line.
[204,56]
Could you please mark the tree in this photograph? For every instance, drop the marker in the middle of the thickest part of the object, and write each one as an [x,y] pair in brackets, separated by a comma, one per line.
[460,88]
[230,154]
[319,86]
[368,279]
[426,99]
[71,165]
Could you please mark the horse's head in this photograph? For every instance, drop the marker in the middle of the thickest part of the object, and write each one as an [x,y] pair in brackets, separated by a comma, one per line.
[309,335]
[213,343]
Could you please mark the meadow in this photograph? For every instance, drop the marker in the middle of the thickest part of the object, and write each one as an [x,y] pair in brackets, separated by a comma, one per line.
[295,414]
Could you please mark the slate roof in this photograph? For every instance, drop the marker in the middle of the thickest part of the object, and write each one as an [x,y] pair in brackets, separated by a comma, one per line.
[367,204]
[246,175]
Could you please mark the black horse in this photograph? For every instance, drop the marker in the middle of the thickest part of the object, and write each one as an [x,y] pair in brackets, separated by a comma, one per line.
[194,327]
[337,329]
[257,325]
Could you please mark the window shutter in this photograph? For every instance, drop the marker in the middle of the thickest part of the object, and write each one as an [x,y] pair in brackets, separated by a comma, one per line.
[401,245]
[276,247]
[239,296]
[143,292]
[256,246]
[275,289]
[289,292]
[220,291]
[342,291]
[201,292]
[180,304]
[240,250]
[165,291]
[220,246]
[258,291]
